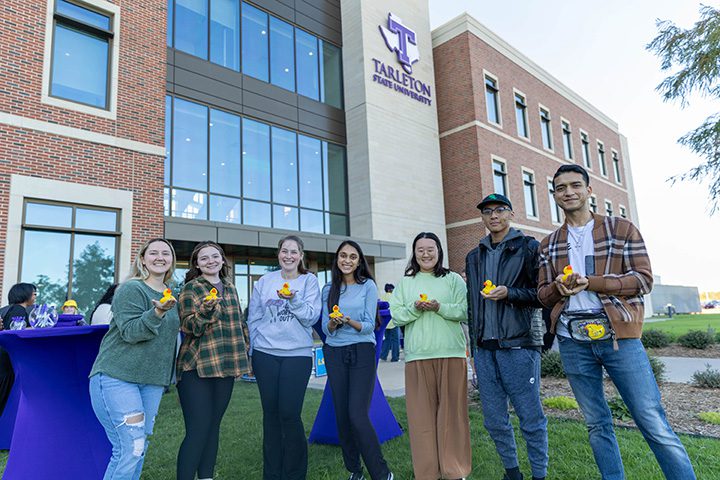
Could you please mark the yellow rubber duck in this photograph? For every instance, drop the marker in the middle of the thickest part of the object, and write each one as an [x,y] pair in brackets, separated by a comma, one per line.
[285,290]
[423,297]
[212,295]
[489,287]
[336,312]
[595,331]
[167,295]
[567,271]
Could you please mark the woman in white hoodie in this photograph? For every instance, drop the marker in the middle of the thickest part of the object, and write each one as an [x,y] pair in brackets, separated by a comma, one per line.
[280,322]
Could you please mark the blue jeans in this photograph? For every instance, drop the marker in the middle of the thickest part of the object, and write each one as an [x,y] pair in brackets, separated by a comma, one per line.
[513,374]
[392,340]
[127,412]
[632,375]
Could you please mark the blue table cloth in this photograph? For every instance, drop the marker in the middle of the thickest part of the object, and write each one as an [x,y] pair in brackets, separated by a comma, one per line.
[56,435]
[386,426]
[7,419]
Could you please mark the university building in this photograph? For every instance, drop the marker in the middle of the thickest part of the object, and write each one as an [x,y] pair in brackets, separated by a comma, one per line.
[243,121]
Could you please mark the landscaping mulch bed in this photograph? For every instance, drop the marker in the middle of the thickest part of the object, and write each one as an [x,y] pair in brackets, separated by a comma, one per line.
[677,350]
[682,404]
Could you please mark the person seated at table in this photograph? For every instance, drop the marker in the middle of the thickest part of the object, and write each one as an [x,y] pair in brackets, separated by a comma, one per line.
[350,358]
[102,313]
[136,359]
[211,356]
[20,297]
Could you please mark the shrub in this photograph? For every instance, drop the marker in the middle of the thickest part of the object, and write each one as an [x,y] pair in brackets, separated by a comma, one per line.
[697,339]
[710,417]
[655,339]
[561,403]
[551,365]
[708,378]
[658,368]
[619,410]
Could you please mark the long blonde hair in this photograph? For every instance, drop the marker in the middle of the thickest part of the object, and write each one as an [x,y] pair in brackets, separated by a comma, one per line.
[138,270]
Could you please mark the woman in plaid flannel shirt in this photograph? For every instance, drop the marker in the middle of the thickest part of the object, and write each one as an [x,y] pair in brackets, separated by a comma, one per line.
[211,356]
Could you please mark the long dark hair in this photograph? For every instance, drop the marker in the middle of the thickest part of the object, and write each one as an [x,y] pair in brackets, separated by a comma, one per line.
[361,274]
[195,272]
[302,269]
[106,298]
[413,266]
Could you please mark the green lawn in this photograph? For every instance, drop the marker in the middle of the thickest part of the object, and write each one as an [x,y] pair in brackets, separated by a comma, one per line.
[681,324]
[240,455]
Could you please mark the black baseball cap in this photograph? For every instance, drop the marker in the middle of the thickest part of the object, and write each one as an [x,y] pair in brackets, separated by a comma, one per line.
[494,198]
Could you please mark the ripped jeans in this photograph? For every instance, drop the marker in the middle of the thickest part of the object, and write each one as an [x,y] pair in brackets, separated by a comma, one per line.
[127,412]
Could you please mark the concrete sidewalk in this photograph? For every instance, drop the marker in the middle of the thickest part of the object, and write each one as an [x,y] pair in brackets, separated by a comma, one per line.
[681,369]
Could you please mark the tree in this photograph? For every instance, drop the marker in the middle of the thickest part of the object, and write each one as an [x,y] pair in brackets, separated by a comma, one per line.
[695,54]
[93,273]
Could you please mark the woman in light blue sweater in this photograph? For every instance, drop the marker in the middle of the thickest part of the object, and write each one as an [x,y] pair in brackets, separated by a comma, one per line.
[350,358]
[280,323]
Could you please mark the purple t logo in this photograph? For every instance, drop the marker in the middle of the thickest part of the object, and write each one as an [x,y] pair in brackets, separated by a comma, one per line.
[402,40]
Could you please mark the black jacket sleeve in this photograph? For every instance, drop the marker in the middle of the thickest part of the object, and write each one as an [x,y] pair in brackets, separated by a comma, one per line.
[527,295]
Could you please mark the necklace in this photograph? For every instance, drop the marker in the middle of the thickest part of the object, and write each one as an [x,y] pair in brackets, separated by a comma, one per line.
[575,240]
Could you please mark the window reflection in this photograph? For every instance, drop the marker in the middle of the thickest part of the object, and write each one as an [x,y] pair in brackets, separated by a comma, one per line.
[256,160]
[335,185]
[191,27]
[310,159]
[331,75]
[256,213]
[224,153]
[224,209]
[284,166]
[306,51]
[80,67]
[254,42]
[285,217]
[190,145]
[282,59]
[225,33]
[192,205]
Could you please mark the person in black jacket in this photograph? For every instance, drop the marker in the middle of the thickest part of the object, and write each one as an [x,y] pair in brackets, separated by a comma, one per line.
[507,329]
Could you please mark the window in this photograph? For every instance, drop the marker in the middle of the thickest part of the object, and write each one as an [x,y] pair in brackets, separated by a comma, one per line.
[567,140]
[259,175]
[491,100]
[545,129]
[254,42]
[593,204]
[282,54]
[191,27]
[331,75]
[616,166]
[585,149]
[601,159]
[521,116]
[499,177]
[555,211]
[308,76]
[623,211]
[608,208]
[69,251]
[225,33]
[83,54]
[529,192]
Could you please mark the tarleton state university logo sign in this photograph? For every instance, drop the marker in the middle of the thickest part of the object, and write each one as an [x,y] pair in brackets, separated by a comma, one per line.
[402,41]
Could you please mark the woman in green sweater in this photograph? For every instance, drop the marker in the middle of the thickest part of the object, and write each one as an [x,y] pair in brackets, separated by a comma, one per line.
[430,301]
[136,359]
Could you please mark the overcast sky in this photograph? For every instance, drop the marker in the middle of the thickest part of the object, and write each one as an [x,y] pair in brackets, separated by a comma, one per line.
[598,50]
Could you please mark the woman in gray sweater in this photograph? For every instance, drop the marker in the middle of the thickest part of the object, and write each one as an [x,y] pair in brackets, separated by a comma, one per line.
[136,359]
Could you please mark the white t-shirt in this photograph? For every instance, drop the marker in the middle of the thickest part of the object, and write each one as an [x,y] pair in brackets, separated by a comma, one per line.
[581,253]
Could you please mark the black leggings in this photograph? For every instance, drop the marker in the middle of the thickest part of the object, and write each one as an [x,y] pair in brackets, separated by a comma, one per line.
[282,382]
[203,402]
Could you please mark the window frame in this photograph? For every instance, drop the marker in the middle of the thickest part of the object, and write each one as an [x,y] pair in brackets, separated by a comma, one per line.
[546,127]
[592,203]
[523,97]
[616,165]
[585,149]
[602,161]
[113,37]
[568,150]
[495,159]
[72,231]
[622,211]
[609,208]
[533,191]
[496,87]
[553,204]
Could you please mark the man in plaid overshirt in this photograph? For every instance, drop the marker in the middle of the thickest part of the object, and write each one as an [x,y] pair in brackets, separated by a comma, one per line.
[597,313]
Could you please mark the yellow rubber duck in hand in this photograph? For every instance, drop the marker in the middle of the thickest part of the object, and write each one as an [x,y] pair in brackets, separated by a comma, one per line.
[567,271]
[423,297]
[595,331]
[167,295]
[212,295]
[285,290]
[489,287]
[336,313]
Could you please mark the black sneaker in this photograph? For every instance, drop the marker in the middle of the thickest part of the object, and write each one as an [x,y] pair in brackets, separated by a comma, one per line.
[356,476]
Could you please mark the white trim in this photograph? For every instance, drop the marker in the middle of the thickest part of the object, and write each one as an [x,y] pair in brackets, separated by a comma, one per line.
[609,202]
[616,169]
[622,208]
[80,134]
[523,171]
[586,165]
[553,203]
[465,23]
[564,120]
[518,141]
[477,220]
[602,160]
[525,114]
[114,45]
[493,159]
[542,108]
[22,187]
[497,97]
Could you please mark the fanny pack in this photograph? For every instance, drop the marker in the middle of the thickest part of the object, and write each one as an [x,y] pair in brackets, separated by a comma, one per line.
[585,326]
